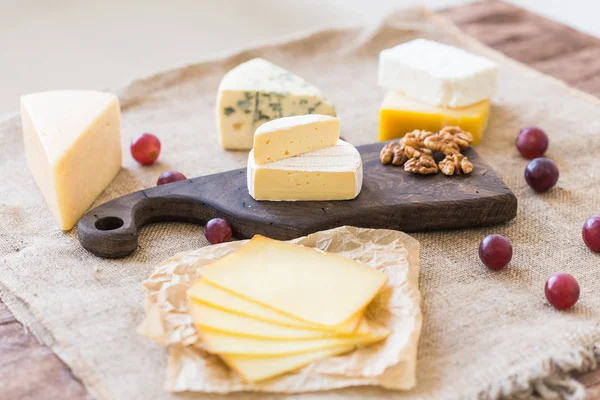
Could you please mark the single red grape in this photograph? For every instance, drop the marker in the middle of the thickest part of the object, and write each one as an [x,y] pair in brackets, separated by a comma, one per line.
[541,174]
[562,290]
[217,230]
[591,232]
[170,176]
[495,251]
[145,148]
[532,142]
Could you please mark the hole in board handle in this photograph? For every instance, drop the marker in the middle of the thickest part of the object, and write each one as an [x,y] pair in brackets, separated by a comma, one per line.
[108,223]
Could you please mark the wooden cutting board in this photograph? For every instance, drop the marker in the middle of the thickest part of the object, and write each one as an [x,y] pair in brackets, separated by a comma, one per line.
[31,370]
[390,198]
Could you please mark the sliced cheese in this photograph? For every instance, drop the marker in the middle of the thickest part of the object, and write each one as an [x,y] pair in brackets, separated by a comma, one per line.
[400,114]
[206,316]
[73,148]
[255,369]
[291,136]
[258,91]
[437,74]
[205,292]
[223,343]
[303,282]
[333,173]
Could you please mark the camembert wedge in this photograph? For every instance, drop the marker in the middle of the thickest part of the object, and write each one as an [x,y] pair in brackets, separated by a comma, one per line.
[73,148]
[258,91]
[302,282]
[291,136]
[333,173]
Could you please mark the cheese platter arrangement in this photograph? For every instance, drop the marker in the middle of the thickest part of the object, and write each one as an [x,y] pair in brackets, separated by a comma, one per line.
[301,179]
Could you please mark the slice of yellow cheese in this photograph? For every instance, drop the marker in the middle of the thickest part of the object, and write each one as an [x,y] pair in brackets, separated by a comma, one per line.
[400,114]
[291,136]
[223,343]
[254,369]
[302,282]
[206,316]
[207,293]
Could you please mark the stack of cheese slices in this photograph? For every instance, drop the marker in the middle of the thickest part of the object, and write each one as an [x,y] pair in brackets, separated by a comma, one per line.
[303,158]
[432,85]
[272,307]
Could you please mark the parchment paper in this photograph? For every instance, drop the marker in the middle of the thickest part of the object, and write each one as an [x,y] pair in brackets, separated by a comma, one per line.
[390,363]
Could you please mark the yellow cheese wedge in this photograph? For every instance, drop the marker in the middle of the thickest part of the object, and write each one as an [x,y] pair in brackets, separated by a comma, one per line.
[205,292]
[206,316]
[305,283]
[291,136]
[254,369]
[223,343]
[400,114]
[73,148]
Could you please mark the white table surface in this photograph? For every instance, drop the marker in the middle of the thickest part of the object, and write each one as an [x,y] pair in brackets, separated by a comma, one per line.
[90,44]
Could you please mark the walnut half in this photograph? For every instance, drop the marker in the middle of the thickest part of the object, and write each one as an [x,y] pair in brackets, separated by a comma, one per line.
[392,153]
[423,165]
[456,164]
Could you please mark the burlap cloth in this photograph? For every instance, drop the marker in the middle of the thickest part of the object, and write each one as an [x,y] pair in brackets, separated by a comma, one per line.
[485,334]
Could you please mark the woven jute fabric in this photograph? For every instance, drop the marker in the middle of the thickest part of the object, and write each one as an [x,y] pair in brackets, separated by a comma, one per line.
[485,334]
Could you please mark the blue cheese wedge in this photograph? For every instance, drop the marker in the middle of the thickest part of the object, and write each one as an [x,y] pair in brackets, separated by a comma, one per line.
[258,91]
[437,74]
[332,173]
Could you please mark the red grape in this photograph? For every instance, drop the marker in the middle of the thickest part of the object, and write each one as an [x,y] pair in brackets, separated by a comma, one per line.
[541,174]
[145,148]
[495,251]
[591,232]
[532,142]
[217,230]
[562,290]
[170,176]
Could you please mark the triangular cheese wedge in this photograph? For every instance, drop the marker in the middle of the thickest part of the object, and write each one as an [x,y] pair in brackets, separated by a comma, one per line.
[314,286]
[73,148]
[258,91]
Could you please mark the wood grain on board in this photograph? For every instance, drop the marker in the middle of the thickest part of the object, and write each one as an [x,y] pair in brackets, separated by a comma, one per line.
[388,200]
[29,370]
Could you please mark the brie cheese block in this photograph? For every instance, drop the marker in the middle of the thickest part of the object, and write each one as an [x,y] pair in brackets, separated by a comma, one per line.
[437,74]
[258,91]
[73,148]
[291,136]
[332,173]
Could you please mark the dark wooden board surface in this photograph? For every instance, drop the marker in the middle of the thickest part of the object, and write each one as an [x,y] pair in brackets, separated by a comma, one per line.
[390,198]
[29,370]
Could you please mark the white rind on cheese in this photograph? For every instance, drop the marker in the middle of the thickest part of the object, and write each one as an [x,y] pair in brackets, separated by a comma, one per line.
[437,74]
[291,136]
[341,158]
[258,91]
[73,148]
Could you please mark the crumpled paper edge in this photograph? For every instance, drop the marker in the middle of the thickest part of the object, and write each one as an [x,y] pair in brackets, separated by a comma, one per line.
[390,364]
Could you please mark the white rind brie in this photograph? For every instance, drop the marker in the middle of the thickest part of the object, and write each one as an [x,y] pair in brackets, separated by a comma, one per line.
[333,173]
[437,74]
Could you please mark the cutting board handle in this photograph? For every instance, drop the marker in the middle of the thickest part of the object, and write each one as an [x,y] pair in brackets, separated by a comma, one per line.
[111,229]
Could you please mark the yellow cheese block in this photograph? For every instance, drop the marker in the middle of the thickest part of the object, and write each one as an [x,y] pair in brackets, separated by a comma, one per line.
[302,282]
[205,292]
[255,369]
[400,114]
[223,343]
[291,136]
[73,148]
[206,316]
